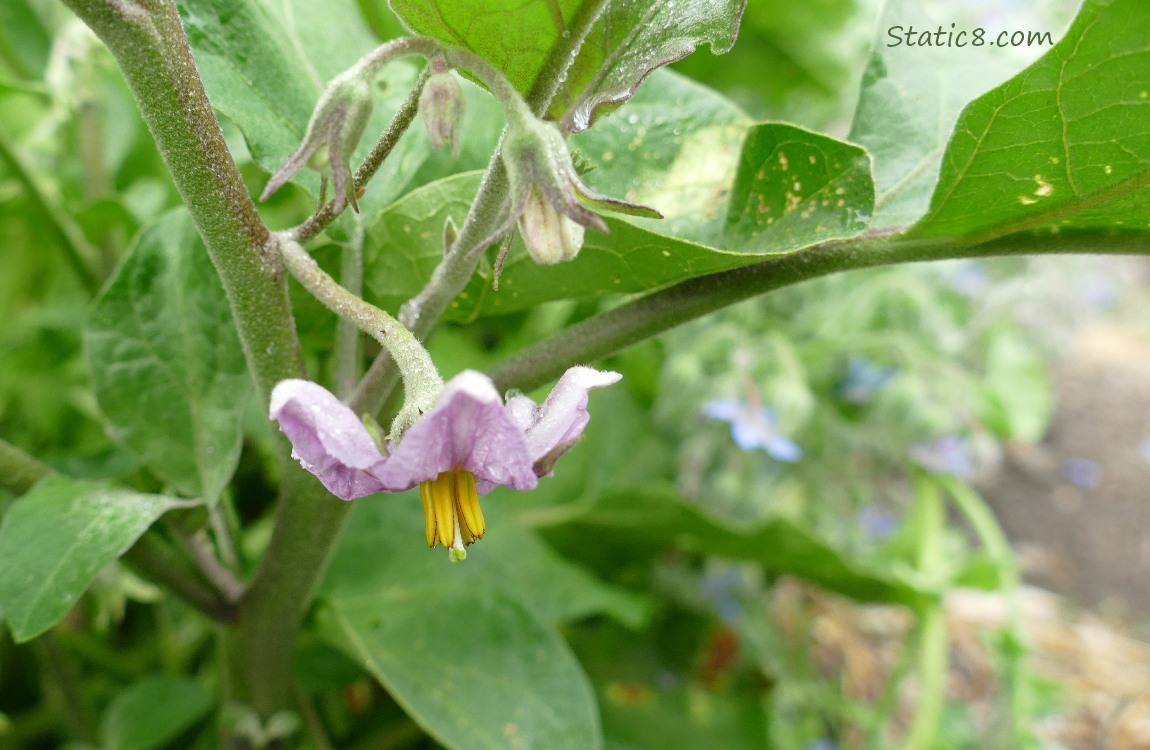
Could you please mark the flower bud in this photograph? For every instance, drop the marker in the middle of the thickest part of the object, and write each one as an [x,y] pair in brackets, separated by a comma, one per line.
[441,104]
[550,237]
[333,132]
[548,196]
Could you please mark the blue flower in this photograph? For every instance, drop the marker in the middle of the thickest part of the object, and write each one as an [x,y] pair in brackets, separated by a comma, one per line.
[863,379]
[970,279]
[877,523]
[753,428]
[945,455]
[1082,472]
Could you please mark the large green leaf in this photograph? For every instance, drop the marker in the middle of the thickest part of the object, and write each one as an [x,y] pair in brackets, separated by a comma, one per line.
[264,65]
[166,362]
[153,712]
[912,95]
[655,514]
[1066,142]
[627,42]
[384,553]
[475,668]
[731,192]
[469,649]
[55,539]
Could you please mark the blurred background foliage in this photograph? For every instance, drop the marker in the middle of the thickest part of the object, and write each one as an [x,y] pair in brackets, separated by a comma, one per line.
[751,462]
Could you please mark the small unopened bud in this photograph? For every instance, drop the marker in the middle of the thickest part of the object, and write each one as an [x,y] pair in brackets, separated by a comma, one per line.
[550,237]
[441,104]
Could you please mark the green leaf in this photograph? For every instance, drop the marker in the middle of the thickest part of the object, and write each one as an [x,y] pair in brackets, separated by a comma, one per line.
[732,192]
[658,515]
[627,42]
[153,712]
[1065,143]
[57,537]
[911,96]
[473,667]
[384,552]
[264,65]
[166,362]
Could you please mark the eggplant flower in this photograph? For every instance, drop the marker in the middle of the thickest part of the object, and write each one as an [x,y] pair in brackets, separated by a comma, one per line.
[463,447]
[547,195]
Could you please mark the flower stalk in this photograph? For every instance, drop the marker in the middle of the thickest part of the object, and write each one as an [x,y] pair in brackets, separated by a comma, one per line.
[421,379]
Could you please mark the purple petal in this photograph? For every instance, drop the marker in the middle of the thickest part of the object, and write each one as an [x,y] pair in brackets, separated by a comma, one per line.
[327,438]
[468,428]
[563,416]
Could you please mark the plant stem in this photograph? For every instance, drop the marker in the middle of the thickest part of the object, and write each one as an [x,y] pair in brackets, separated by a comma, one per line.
[156,561]
[614,330]
[933,646]
[345,353]
[208,565]
[150,47]
[421,380]
[383,148]
[422,312]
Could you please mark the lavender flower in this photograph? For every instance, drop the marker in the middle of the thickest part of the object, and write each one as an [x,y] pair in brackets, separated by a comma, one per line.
[467,444]
[753,428]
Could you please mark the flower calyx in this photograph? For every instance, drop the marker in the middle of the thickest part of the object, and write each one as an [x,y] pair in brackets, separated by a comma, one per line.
[547,195]
[333,132]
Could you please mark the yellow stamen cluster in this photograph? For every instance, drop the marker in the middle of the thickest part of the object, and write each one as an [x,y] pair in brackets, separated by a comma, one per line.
[451,504]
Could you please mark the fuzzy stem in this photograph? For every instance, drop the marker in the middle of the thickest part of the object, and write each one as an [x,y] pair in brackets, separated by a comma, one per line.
[422,312]
[345,352]
[614,330]
[149,45]
[421,380]
[399,124]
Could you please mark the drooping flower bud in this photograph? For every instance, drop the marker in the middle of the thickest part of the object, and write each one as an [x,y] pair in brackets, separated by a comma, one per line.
[549,236]
[441,105]
[334,131]
[548,195]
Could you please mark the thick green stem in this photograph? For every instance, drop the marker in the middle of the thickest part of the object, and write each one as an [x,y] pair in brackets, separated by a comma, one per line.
[149,44]
[614,330]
